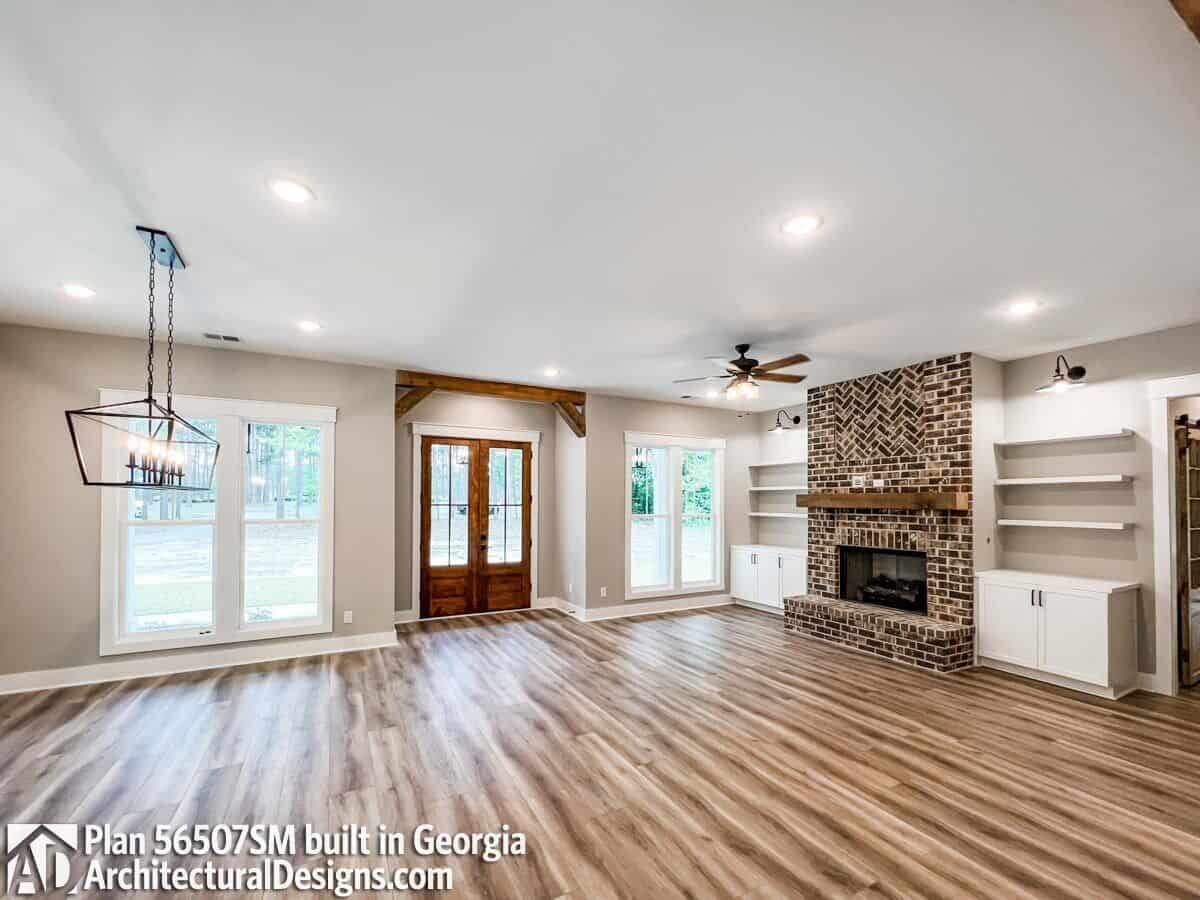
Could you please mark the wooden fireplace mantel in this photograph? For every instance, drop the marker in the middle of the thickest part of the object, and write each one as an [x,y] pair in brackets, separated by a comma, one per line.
[957,500]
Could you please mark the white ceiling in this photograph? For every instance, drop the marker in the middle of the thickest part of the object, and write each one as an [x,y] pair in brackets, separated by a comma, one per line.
[598,186]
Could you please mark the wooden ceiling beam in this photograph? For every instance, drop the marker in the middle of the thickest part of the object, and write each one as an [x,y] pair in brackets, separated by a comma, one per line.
[1189,11]
[410,398]
[575,419]
[505,389]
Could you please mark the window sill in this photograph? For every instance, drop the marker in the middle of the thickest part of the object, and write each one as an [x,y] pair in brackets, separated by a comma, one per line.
[657,593]
[150,643]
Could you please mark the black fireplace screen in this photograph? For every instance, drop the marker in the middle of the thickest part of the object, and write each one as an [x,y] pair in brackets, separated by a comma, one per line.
[892,578]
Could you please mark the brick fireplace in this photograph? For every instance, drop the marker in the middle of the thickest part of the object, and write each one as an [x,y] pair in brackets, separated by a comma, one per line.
[911,429]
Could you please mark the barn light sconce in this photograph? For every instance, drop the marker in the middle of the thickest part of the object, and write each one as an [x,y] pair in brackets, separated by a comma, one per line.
[1066,377]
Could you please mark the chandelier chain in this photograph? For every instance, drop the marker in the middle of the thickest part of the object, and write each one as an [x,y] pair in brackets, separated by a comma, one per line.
[171,332]
[150,336]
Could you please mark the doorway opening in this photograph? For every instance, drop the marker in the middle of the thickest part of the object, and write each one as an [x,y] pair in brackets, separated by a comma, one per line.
[1187,537]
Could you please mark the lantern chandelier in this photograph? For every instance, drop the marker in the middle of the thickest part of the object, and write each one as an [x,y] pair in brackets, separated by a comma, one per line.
[141,443]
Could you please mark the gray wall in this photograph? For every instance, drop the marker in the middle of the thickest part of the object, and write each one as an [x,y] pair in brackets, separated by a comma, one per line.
[608,418]
[570,467]
[1115,398]
[50,533]
[477,412]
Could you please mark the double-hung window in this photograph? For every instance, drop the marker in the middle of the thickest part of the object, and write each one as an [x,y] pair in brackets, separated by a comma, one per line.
[674,541]
[250,558]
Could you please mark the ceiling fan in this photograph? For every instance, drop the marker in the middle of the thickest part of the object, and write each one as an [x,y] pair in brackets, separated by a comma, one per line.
[744,373]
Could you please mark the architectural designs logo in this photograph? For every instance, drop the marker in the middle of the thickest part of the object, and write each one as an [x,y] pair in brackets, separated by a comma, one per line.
[36,857]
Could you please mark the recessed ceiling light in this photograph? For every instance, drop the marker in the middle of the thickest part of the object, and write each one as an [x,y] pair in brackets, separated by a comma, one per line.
[79,291]
[1026,306]
[310,327]
[550,372]
[291,191]
[801,226]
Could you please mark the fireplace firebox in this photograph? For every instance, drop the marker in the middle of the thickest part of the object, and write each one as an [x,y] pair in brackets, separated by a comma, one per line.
[891,578]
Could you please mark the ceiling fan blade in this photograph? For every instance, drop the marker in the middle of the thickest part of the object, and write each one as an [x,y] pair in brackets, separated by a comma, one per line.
[782,379]
[794,360]
[701,378]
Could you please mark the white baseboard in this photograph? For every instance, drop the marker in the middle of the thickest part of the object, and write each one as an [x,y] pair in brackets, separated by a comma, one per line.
[407,615]
[1083,687]
[774,610]
[217,658]
[652,607]
[548,603]
[1154,684]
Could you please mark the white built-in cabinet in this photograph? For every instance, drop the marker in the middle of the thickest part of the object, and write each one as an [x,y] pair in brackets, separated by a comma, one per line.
[765,574]
[1075,632]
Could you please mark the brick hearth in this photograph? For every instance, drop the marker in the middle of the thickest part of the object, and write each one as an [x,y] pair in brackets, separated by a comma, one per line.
[912,428]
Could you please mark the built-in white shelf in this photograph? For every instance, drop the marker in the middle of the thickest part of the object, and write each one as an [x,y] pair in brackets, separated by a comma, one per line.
[1048,523]
[1069,438]
[780,515]
[779,462]
[779,488]
[1066,479]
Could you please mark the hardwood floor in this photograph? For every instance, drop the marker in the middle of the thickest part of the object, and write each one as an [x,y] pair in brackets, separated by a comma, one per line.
[702,754]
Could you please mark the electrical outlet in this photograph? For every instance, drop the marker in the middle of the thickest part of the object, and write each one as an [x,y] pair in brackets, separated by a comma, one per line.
[570,589]
[348,617]
[858,481]
[603,592]
[878,482]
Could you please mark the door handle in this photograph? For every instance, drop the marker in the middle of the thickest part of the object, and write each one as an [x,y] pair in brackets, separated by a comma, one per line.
[1041,599]
[1031,593]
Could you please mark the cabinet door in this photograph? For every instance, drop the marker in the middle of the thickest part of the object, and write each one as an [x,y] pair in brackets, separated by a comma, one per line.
[1074,635]
[1008,621]
[742,579]
[794,575]
[770,581]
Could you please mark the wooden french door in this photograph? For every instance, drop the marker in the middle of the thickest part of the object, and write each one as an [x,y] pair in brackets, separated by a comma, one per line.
[476,540]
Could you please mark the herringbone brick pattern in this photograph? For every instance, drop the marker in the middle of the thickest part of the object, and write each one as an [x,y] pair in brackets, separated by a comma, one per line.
[881,415]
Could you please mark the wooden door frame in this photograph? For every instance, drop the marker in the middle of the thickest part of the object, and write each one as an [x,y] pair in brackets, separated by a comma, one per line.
[1160,392]
[469,432]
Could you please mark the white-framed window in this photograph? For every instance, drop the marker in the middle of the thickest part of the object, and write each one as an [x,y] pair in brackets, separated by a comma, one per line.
[252,558]
[674,534]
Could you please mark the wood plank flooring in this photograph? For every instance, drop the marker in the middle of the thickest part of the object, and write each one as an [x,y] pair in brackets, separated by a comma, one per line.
[704,754]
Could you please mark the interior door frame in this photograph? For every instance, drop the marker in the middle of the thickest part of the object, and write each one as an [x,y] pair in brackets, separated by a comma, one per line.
[468,432]
[1160,392]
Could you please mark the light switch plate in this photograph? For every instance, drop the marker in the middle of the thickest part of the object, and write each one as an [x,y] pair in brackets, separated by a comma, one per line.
[858,481]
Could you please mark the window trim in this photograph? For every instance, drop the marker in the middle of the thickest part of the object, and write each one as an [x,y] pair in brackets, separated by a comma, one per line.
[228,626]
[676,444]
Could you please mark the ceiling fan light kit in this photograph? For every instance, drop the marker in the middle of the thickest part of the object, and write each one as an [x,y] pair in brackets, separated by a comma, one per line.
[142,443]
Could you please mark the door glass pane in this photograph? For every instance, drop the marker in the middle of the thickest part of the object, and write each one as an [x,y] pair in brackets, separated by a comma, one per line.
[495,534]
[153,505]
[513,534]
[283,471]
[458,473]
[458,535]
[514,476]
[496,472]
[650,481]
[281,571]
[168,577]
[648,552]
[439,473]
[439,535]
[697,484]
[698,551]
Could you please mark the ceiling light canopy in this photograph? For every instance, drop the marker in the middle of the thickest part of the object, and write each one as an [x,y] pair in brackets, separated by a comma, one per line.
[801,226]
[309,326]
[79,291]
[1066,377]
[291,191]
